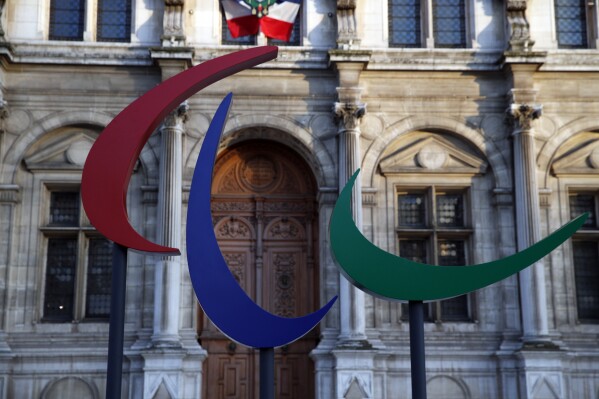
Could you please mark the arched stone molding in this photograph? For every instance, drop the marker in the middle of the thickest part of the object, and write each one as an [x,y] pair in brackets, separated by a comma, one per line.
[282,130]
[551,147]
[449,387]
[44,126]
[76,386]
[498,163]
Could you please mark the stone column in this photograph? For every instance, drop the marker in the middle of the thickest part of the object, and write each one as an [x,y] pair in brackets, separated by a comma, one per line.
[351,299]
[528,218]
[167,288]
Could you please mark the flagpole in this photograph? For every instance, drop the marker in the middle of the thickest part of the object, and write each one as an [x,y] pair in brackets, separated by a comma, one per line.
[116,331]
[416,309]
[267,373]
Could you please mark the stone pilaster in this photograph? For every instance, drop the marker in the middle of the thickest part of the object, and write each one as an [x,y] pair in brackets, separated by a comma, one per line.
[167,288]
[173,23]
[519,28]
[347,32]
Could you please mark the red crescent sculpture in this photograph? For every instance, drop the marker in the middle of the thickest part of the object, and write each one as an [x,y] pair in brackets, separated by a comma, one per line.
[110,162]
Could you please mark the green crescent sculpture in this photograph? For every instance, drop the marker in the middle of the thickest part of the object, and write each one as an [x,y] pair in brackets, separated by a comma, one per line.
[394,278]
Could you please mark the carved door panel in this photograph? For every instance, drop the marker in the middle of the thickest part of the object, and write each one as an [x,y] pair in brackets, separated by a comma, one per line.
[263,212]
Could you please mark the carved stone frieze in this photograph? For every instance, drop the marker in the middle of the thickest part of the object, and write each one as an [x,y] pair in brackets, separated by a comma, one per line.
[518,24]
[523,114]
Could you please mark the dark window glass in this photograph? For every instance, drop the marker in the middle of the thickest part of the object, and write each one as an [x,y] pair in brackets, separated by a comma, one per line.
[414,250]
[404,23]
[60,279]
[570,22]
[114,20]
[412,210]
[64,208]
[67,19]
[449,23]
[581,203]
[226,37]
[451,253]
[586,272]
[450,210]
[99,269]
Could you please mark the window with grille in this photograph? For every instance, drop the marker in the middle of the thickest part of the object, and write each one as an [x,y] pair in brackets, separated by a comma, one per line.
[571,23]
[585,250]
[78,263]
[67,19]
[114,20]
[411,21]
[433,228]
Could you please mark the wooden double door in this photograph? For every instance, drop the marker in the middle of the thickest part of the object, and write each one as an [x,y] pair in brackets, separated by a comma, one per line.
[264,216]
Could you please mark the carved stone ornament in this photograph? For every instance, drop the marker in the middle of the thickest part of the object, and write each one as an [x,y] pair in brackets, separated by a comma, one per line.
[518,24]
[173,22]
[233,228]
[524,114]
[347,33]
[2,3]
[348,115]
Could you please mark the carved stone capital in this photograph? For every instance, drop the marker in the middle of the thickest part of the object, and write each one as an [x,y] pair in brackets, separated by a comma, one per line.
[523,115]
[348,115]
[518,24]
[177,118]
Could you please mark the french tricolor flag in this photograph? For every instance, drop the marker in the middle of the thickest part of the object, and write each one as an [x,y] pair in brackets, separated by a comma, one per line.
[278,24]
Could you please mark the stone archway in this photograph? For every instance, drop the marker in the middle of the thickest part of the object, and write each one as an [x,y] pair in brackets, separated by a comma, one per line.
[265,218]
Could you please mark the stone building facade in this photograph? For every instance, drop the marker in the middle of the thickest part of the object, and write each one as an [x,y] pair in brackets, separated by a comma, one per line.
[473,123]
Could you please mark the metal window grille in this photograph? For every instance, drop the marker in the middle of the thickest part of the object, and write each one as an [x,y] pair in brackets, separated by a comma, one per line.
[227,38]
[404,23]
[449,23]
[67,19]
[64,208]
[99,274]
[581,203]
[114,20]
[570,22]
[61,264]
[450,210]
[586,272]
[412,210]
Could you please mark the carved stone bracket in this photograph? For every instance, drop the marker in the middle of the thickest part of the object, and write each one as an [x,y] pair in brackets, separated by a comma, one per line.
[173,32]
[347,32]
[523,115]
[348,115]
[518,24]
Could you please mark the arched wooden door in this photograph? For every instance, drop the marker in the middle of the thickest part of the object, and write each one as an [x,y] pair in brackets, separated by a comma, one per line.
[264,215]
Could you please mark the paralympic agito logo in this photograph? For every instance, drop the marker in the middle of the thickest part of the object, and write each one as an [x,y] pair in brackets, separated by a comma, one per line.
[106,176]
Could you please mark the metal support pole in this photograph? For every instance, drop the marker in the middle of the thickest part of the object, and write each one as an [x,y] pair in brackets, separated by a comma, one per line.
[267,373]
[116,332]
[417,349]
